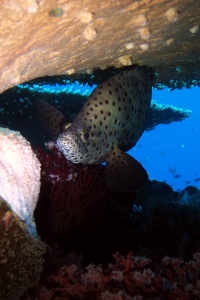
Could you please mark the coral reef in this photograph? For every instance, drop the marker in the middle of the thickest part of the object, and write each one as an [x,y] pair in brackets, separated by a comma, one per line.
[156,223]
[19,176]
[39,38]
[132,277]
[21,255]
[70,191]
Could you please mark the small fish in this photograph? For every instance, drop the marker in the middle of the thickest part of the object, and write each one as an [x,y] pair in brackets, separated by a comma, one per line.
[177,176]
[188,182]
[172,169]
[109,124]
[197,179]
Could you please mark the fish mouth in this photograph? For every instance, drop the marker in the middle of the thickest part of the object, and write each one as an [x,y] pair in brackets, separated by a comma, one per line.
[73,144]
[67,145]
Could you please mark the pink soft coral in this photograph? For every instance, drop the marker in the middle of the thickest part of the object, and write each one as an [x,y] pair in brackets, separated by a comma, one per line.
[132,277]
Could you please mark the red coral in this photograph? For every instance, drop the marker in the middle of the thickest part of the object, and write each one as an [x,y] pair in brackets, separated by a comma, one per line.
[72,200]
[55,167]
[128,278]
[69,192]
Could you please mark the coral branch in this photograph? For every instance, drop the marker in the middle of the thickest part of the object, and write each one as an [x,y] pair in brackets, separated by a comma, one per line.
[132,277]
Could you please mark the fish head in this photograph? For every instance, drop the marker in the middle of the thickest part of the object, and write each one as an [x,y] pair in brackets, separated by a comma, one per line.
[77,144]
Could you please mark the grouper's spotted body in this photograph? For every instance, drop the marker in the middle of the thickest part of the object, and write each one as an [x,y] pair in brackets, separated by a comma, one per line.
[110,123]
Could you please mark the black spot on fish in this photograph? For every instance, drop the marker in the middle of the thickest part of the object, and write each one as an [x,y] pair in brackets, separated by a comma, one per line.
[109,113]
[95,116]
[119,109]
[106,101]
[113,103]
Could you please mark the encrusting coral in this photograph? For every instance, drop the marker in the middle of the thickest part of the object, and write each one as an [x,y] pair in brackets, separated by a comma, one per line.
[21,255]
[19,176]
[21,250]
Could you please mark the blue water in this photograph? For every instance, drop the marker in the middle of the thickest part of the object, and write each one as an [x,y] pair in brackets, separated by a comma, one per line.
[172,150]
[169,150]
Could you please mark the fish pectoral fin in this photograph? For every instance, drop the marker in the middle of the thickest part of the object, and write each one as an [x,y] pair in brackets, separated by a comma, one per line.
[123,173]
[50,117]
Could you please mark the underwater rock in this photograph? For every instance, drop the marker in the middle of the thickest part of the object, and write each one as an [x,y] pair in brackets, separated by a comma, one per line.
[39,38]
[156,189]
[21,255]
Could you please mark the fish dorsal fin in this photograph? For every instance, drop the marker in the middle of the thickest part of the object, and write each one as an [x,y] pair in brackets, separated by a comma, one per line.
[50,117]
[123,173]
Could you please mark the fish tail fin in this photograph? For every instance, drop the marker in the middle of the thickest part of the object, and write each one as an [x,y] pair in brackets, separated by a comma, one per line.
[123,173]
[51,118]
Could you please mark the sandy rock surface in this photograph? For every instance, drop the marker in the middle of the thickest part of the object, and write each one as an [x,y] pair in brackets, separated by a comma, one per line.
[48,37]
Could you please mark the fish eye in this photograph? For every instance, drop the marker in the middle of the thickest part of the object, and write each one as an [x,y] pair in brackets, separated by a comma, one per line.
[86,136]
